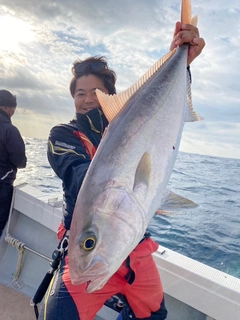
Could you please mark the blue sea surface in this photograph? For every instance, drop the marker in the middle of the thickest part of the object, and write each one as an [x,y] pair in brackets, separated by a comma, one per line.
[209,233]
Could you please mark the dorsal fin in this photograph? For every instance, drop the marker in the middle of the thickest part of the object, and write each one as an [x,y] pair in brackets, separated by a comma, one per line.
[112,105]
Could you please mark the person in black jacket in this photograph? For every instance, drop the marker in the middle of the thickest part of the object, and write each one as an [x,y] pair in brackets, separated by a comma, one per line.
[12,154]
[71,148]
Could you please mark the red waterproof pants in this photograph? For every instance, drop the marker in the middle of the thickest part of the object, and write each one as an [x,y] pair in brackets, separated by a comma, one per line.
[144,295]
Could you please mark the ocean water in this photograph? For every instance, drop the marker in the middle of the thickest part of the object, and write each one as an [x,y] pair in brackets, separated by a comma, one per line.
[209,233]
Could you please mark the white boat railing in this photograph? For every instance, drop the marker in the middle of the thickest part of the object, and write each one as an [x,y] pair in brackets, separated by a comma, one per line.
[191,288]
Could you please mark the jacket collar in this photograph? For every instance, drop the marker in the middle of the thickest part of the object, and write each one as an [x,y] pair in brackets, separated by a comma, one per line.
[5,117]
[93,120]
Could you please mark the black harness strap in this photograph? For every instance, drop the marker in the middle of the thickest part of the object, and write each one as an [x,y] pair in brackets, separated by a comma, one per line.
[130,276]
[56,256]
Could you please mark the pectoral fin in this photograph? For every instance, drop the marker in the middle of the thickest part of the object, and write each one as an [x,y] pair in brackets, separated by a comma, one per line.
[142,174]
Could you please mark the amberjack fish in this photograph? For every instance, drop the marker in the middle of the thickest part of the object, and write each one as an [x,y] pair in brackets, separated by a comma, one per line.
[126,181]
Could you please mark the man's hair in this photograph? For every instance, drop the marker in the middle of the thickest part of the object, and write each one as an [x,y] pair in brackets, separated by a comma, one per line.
[7,99]
[96,66]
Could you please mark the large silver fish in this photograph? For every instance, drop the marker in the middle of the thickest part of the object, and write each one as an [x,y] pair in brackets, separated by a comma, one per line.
[126,181]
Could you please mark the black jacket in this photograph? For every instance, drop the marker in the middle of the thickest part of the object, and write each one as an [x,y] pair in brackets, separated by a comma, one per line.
[68,156]
[12,150]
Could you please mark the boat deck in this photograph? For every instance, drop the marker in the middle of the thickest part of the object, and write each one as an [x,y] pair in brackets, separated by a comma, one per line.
[15,305]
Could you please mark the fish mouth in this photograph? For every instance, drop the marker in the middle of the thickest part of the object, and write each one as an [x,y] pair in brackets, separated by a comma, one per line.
[97,271]
[97,284]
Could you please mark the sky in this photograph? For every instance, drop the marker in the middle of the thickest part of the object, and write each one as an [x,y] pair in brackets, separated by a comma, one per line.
[40,40]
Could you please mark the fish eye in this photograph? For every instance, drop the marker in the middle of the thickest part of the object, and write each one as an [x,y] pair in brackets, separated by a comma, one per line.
[89,242]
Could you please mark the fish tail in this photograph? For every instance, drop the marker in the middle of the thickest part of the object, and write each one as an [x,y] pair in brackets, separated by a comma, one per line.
[186,12]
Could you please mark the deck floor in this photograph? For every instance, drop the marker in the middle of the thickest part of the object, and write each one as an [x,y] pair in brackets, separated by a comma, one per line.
[15,305]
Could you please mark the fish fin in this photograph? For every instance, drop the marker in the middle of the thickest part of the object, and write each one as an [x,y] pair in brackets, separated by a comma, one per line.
[143,171]
[172,202]
[112,105]
[194,21]
[166,212]
[191,114]
[186,13]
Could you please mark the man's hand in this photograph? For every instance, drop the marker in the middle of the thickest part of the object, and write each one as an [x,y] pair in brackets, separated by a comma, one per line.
[187,33]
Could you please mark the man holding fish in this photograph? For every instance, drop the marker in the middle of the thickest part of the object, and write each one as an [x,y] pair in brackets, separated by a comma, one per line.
[109,250]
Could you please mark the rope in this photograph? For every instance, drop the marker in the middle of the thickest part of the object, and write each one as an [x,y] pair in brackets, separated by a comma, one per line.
[20,246]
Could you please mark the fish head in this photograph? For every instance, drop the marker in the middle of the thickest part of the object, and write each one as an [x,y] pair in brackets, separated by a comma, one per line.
[103,233]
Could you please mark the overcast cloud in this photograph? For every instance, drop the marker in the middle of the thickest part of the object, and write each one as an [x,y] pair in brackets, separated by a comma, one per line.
[39,40]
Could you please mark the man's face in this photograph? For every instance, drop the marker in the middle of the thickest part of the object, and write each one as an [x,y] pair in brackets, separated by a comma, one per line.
[85,98]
